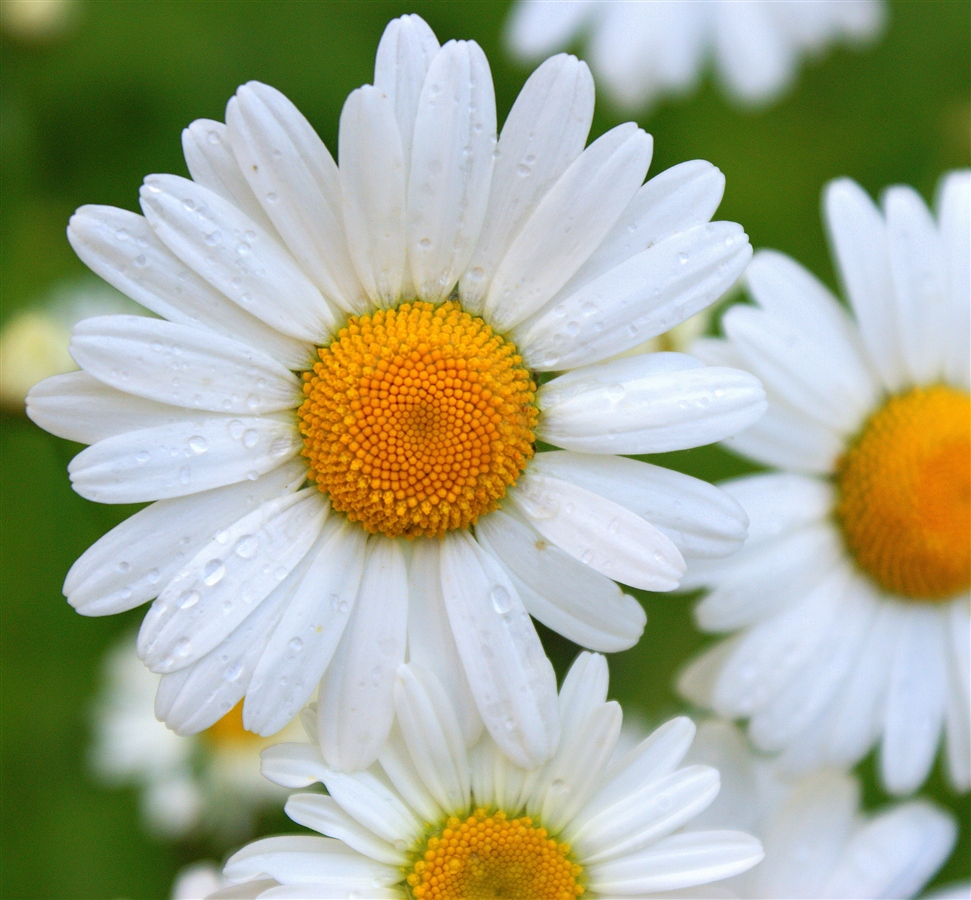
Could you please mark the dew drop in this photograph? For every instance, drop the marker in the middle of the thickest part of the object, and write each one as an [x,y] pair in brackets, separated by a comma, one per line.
[660,557]
[233,672]
[212,137]
[123,566]
[615,392]
[153,576]
[185,473]
[187,599]
[121,234]
[213,238]
[142,457]
[198,444]
[501,601]
[682,258]
[183,647]
[246,546]
[250,437]
[271,197]
[213,572]
[280,447]
[243,248]
[295,645]
[126,594]
[253,401]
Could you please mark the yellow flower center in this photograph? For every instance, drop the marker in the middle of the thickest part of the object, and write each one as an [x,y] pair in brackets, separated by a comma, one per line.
[904,493]
[417,419]
[229,731]
[489,856]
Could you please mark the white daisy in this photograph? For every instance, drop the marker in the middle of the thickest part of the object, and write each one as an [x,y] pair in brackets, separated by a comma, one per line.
[818,844]
[378,330]
[852,592]
[642,51]
[434,820]
[206,782]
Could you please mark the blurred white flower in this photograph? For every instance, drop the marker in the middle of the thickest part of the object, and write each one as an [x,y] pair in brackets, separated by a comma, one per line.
[38,21]
[34,341]
[198,881]
[207,782]
[818,844]
[852,594]
[642,50]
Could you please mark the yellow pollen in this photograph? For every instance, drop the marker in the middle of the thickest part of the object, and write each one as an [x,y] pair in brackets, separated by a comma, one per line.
[904,494]
[417,419]
[490,856]
[229,730]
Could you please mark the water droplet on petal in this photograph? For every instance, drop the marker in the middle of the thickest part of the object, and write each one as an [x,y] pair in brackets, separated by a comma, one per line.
[187,599]
[142,457]
[213,572]
[615,392]
[295,645]
[183,647]
[235,429]
[250,437]
[198,444]
[246,546]
[501,600]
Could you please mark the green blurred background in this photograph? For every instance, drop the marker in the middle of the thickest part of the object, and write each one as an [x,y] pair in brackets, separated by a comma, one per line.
[87,113]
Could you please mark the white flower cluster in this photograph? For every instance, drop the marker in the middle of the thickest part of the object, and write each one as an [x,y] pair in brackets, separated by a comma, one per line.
[384,417]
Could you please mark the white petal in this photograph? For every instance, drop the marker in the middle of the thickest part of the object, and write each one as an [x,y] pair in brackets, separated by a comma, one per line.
[235,256]
[920,284]
[433,735]
[182,366]
[451,167]
[296,181]
[697,680]
[121,247]
[700,520]
[495,780]
[779,503]
[137,558]
[398,765]
[639,299]
[332,889]
[682,860]
[323,814]
[430,640]
[646,814]
[538,28]
[372,175]
[372,803]
[958,702]
[954,216]
[858,237]
[509,675]
[300,859]
[405,52]
[569,223]
[656,757]
[228,579]
[563,593]
[304,641]
[895,854]
[626,406]
[543,134]
[356,704]
[673,201]
[183,458]
[80,408]
[209,158]
[915,700]
[806,376]
[197,696]
[600,533]
[293,765]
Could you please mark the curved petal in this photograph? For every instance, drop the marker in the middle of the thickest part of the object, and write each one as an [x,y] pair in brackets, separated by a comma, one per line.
[600,533]
[510,677]
[452,158]
[183,366]
[183,458]
[355,707]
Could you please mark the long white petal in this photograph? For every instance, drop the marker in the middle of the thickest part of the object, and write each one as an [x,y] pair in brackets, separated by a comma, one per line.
[599,532]
[304,641]
[543,134]
[295,179]
[563,593]
[779,502]
[510,677]
[376,806]
[355,706]
[858,237]
[80,408]
[641,298]
[226,580]
[136,559]
[452,159]
[954,219]
[183,366]
[183,458]
[122,248]
[959,695]
[626,406]
[372,175]
[235,256]
[569,223]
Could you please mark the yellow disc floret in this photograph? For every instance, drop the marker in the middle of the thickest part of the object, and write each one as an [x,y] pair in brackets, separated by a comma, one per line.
[417,419]
[489,856]
[904,492]
[229,730]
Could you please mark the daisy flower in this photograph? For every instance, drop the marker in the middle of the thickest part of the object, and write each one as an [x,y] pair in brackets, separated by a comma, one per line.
[817,842]
[346,391]
[642,51]
[206,782]
[434,820]
[852,593]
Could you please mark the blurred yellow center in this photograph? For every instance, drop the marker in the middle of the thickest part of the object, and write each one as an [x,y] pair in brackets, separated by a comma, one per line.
[417,419]
[905,494]
[490,856]
[229,730]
